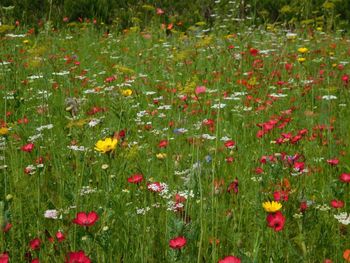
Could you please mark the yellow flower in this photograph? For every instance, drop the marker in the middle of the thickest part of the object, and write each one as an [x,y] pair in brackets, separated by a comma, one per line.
[4,131]
[272,207]
[161,156]
[106,145]
[302,50]
[26,41]
[301,60]
[126,92]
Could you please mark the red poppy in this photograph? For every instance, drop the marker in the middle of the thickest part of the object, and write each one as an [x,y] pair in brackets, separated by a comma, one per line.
[230,259]
[345,178]
[28,147]
[163,144]
[7,227]
[337,203]
[303,206]
[35,243]
[229,159]
[288,66]
[280,195]
[4,258]
[333,162]
[327,260]
[177,242]
[230,144]
[135,179]
[233,187]
[259,170]
[253,52]
[78,257]
[276,221]
[84,219]
[35,260]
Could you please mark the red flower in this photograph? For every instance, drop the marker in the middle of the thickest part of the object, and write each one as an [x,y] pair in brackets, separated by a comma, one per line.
[253,51]
[28,147]
[345,178]
[230,144]
[280,195]
[288,66]
[7,227]
[77,257]
[35,260]
[178,242]
[84,219]
[337,203]
[163,144]
[299,166]
[4,258]
[333,161]
[233,187]
[276,221]
[230,259]
[303,206]
[135,179]
[60,236]
[35,244]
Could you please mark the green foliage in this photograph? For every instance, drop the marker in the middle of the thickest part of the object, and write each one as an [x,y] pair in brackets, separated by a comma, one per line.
[225,13]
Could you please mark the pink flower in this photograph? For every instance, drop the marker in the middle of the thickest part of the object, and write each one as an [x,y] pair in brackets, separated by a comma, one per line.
[230,259]
[337,203]
[60,236]
[28,147]
[78,257]
[345,178]
[160,11]
[135,179]
[200,89]
[4,258]
[84,219]
[177,242]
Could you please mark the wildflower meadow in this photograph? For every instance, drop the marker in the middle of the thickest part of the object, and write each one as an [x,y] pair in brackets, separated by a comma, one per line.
[165,144]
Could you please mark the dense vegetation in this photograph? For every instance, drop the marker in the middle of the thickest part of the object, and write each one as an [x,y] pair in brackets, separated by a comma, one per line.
[123,14]
[183,131]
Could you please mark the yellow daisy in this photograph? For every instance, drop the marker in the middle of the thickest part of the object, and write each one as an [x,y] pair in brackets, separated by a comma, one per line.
[106,145]
[272,207]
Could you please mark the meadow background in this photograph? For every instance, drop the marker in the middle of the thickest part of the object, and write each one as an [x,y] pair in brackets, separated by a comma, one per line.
[161,131]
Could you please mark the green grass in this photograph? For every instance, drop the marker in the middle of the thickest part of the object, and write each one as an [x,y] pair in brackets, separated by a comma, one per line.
[172,67]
